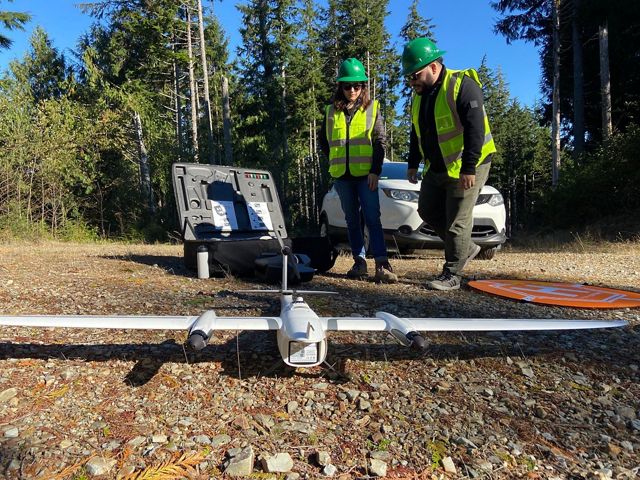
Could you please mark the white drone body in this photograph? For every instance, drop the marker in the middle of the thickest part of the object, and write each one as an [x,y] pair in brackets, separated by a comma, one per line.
[301,333]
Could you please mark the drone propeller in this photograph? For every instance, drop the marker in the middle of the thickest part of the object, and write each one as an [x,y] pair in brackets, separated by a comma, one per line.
[293,292]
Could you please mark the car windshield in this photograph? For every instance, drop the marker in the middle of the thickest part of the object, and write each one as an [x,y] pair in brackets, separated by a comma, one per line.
[396,171]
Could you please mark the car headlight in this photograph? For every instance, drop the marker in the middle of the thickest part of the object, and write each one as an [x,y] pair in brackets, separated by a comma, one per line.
[404,195]
[493,199]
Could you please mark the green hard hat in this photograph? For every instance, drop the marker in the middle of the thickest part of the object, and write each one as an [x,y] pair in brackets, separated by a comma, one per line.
[419,53]
[351,70]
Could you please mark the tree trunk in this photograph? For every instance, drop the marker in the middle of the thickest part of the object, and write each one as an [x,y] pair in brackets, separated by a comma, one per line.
[285,140]
[193,91]
[178,119]
[369,76]
[205,81]
[314,180]
[578,83]
[605,84]
[555,121]
[514,206]
[319,187]
[391,145]
[143,161]
[226,123]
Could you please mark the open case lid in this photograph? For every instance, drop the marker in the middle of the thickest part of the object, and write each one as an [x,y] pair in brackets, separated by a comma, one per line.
[226,203]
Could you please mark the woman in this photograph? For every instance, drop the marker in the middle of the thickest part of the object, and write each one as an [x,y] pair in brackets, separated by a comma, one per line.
[353,138]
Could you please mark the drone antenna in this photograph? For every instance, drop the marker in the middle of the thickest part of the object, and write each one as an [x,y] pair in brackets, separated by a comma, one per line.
[285,267]
[286,251]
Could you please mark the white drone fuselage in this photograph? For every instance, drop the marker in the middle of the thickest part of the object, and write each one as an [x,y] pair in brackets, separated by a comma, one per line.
[302,339]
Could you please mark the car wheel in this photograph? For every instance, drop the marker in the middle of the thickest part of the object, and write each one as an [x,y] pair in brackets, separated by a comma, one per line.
[488,253]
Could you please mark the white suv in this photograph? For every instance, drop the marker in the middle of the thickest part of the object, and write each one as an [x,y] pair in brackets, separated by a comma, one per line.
[403,228]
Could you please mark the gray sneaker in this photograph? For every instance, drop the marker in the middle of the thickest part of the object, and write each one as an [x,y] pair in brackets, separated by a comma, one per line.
[359,268]
[475,250]
[445,281]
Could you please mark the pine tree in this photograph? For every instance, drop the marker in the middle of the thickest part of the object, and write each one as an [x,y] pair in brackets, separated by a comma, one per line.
[265,56]
[531,20]
[307,93]
[217,46]
[44,69]
[416,26]
[133,65]
[11,21]
[520,167]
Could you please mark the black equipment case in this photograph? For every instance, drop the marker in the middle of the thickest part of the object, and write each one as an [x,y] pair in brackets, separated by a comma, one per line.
[234,212]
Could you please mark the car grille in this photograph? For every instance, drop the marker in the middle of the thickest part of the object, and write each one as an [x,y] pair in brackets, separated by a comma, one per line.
[482,231]
[479,231]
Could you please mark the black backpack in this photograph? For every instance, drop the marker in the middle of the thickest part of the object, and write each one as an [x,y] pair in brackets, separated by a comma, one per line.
[319,250]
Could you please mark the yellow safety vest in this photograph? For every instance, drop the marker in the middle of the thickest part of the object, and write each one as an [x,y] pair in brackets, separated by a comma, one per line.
[358,146]
[448,126]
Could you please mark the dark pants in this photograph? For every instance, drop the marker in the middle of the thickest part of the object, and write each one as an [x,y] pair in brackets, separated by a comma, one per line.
[449,210]
[355,197]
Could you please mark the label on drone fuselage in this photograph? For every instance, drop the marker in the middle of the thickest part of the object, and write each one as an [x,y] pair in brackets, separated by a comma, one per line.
[303,353]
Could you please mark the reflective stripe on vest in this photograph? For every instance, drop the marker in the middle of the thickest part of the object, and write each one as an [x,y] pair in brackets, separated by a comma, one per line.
[448,125]
[358,147]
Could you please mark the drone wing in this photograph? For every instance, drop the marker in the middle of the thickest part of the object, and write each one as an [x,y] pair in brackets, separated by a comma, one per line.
[382,323]
[140,322]
[405,330]
[356,324]
[507,324]
[135,322]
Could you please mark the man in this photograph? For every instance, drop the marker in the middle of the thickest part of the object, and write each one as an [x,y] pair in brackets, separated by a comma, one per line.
[450,133]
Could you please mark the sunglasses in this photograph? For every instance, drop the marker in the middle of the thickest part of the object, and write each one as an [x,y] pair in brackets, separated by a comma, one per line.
[352,86]
[414,76]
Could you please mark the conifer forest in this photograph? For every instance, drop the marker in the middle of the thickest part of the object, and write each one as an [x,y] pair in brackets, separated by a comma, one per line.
[87,139]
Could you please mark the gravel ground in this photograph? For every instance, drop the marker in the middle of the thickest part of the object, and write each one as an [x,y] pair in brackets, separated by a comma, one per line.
[130,404]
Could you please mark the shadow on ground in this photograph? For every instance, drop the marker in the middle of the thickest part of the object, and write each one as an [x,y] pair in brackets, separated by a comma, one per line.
[252,354]
[169,264]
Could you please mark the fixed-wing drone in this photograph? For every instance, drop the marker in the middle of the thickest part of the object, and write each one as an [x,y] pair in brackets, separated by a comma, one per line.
[301,333]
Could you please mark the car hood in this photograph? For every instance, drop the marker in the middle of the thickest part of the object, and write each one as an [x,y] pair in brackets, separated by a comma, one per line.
[399,185]
[407,185]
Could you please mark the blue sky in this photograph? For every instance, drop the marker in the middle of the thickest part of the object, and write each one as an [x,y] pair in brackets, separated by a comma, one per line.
[465,32]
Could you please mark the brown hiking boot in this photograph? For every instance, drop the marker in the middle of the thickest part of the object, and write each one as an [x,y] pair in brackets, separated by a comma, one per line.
[384,273]
[359,268]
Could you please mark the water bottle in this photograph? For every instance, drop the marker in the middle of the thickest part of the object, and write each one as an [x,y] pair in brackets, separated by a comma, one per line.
[203,261]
